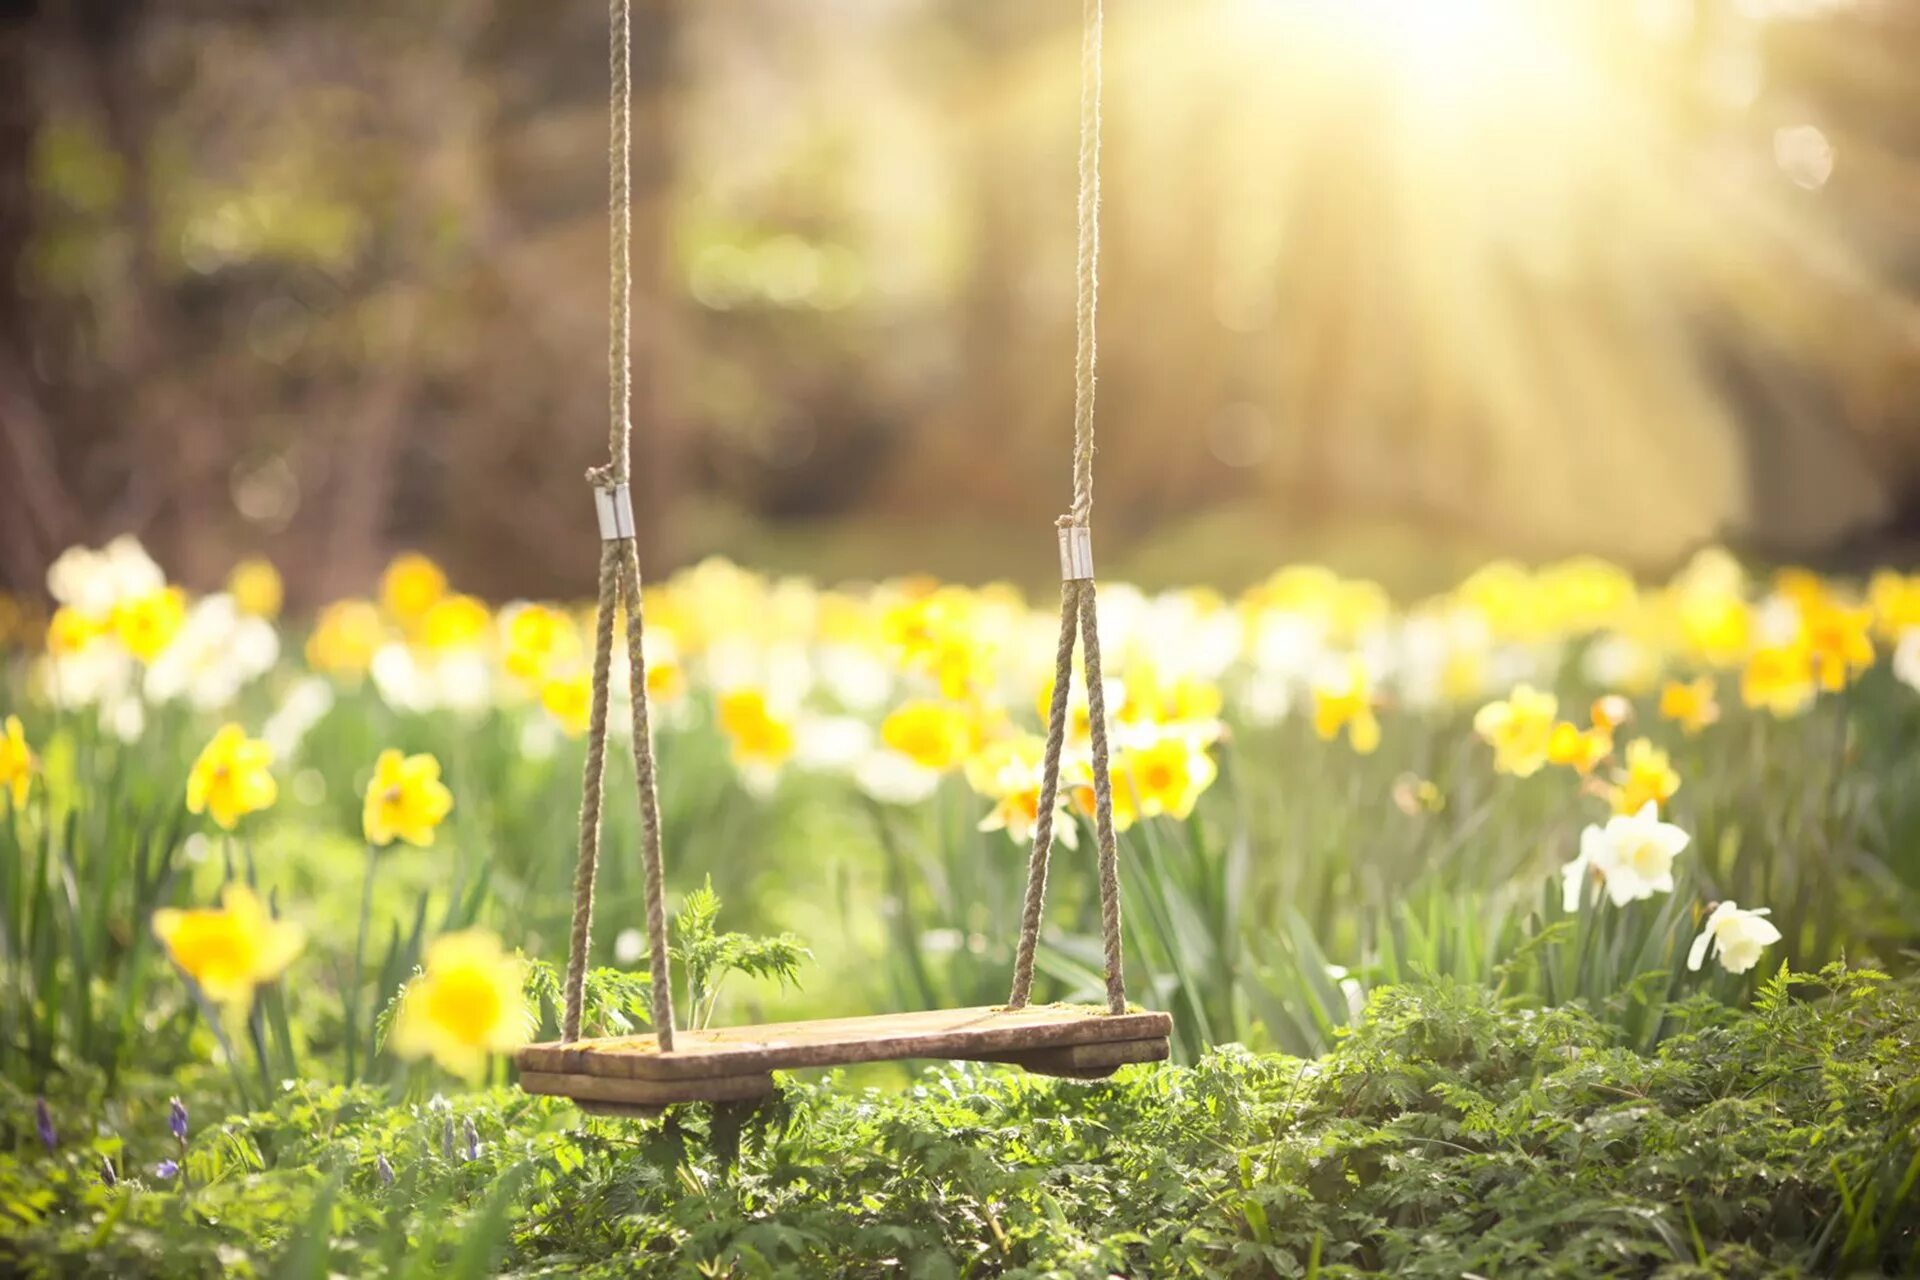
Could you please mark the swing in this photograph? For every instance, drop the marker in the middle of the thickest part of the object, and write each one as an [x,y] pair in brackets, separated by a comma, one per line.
[641,1074]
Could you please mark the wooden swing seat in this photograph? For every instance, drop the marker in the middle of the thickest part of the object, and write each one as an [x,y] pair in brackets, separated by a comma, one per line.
[628,1075]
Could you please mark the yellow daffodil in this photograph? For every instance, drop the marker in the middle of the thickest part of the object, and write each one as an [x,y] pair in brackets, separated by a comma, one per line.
[232,778]
[569,700]
[1838,643]
[16,762]
[1896,602]
[345,638]
[231,949]
[1610,711]
[410,587]
[468,1002]
[70,631]
[405,801]
[1717,626]
[1009,772]
[1519,728]
[1345,701]
[1076,776]
[759,737]
[1647,779]
[934,735]
[1578,749]
[1778,678]
[147,623]
[1690,703]
[1802,586]
[1166,777]
[455,622]
[540,640]
[256,588]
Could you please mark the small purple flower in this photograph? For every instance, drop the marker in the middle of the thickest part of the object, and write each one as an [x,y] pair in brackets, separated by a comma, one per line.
[107,1175]
[167,1169]
[446,1139]
[473,1140]
[385,1169]
[43,1121]
[177,1120]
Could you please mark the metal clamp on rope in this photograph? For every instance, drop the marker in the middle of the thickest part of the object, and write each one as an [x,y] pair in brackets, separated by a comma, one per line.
[615,507]
[1076,552]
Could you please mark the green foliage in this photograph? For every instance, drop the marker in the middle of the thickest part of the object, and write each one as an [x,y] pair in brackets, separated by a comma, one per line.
[706,956]
[1450,1132]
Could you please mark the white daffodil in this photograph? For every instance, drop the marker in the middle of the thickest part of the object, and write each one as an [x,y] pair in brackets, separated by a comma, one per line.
[1632,856]
[1906,658]
[1737,937]
[892,778]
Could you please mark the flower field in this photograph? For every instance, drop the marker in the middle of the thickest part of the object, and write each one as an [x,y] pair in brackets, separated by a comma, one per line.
[278,895]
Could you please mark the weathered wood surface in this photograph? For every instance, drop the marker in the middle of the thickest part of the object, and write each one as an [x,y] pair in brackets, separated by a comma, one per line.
[986,1034]
[647,1093]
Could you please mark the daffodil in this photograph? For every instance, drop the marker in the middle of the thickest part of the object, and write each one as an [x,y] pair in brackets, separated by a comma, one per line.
[231,949]
[405,801]
[1896,603]
[1648,779]
[411,585]
[1690,703]
[1344,700]
[1838,643]
[540,640]
[569,700]
[934,735]
[1778,678]
[455,623]
[70,631]
[1578,749]
[1010,773]
[761,739]
[1165,777]
[345,638]
[1736,935]
[16,762]
[146,624]
[256,588]
[467,1003]
[1610,711]
[1631,858]
[232,778]
[1520,728]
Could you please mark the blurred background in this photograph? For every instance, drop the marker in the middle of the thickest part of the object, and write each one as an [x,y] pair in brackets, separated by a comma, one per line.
[1393,284]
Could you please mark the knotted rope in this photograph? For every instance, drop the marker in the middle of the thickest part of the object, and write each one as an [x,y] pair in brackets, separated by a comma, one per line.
[619,586]
[1078,611]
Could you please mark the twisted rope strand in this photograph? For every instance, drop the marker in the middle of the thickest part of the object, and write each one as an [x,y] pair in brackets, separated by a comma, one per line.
[1103,803]
[1078,611]
[619,585]
[1087,274]
[620,236]
[643,769]
[1049,798]
[590,792]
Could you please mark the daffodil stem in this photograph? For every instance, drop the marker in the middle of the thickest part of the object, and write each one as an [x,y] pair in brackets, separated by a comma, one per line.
[359,959]
[216,1020]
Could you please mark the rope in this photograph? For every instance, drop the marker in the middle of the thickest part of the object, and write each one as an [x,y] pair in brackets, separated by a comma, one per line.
[1078,610]
[619,588]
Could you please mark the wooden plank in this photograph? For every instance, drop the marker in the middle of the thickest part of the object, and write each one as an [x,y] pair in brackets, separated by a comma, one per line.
[1087,1061]
[621,1111]
[646,1093]
[983,1033]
